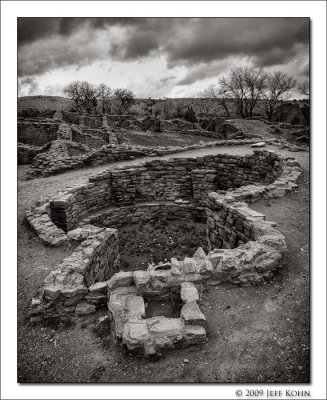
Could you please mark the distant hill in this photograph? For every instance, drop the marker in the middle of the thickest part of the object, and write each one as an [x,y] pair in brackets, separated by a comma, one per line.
[42,103]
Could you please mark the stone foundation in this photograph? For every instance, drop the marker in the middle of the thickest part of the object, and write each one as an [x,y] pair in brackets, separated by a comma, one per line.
[244,248]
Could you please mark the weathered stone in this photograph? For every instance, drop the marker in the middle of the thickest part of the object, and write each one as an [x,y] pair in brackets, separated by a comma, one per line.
[192,314]
[85,309]
[141,280]
[189,292]
[136,335]
[98,288]
[52,291]
[120,279]
[199,254]
[188,265]
[135,307]
[259,144]
[162,326]
[69,292]
[194,334]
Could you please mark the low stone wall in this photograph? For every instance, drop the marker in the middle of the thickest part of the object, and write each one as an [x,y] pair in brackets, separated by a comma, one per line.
[153,335]
[75,280]
[40,221]
[26,153]
[244,249]
[164,181]
[113,153]
[36,133]
[231,223]
[56,157]
[90,140]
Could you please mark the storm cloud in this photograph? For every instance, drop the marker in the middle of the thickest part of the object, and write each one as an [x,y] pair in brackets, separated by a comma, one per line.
[199,48]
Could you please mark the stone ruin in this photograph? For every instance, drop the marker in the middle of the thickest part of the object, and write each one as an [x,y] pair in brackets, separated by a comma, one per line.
[57,141]
[242,247]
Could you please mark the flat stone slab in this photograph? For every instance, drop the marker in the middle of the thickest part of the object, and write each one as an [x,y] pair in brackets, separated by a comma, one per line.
[162,326]
[120,279]
[195,334]
[259,144]
[189,292]
[192,314]
[85,309]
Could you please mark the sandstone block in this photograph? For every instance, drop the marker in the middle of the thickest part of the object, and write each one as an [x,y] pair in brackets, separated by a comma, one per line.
[199,254]
[136,335]
[120,279]
[164,327]
[98,288]
[194,334]
[188,265]
[85,309]
[135,307]
[192,314]
[189,292]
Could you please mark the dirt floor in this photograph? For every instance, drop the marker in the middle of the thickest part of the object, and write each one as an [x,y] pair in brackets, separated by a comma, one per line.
[153,139]
[140,244]
[255,334]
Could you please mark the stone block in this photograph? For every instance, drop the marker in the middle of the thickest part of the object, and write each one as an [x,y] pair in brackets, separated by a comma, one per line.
[189,292]
[192,314]
[165,327]
[135,307]
[194,334]
[120,279]
[85,309]
[69,292]
[141,280]
[98,288]
[52,291]
[188,265]
[136,335]
[199,254]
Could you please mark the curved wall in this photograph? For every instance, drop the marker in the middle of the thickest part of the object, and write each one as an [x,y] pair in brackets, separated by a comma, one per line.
[189,179]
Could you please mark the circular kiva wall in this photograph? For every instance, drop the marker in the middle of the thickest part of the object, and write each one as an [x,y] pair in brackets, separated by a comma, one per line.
[243,248]
[187,179]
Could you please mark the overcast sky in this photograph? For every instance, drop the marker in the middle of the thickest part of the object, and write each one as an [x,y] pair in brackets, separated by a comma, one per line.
[159,57]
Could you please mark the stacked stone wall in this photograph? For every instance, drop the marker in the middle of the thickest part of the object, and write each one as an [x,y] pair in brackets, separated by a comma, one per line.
[143,213]
[26,153]
[69,208]
[161,180]
[76,279]
[36,133]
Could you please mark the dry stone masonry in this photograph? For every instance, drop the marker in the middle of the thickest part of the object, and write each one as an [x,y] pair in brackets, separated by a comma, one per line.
[92,140]
[243,248]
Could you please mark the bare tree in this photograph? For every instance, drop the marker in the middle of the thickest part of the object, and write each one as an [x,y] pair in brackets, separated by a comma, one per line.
[243,87]
[254,80]
[275,89]
[125,97]
[104,95]
[216,93]
[89,98]
[74,93]
[303,88]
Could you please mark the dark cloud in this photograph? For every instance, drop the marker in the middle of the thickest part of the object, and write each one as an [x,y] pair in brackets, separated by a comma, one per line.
[212,39]
[197,43]
[38,28]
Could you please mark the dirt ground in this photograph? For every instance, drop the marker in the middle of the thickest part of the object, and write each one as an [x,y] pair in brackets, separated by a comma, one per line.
[140,244]
[161,138]
[255,334]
